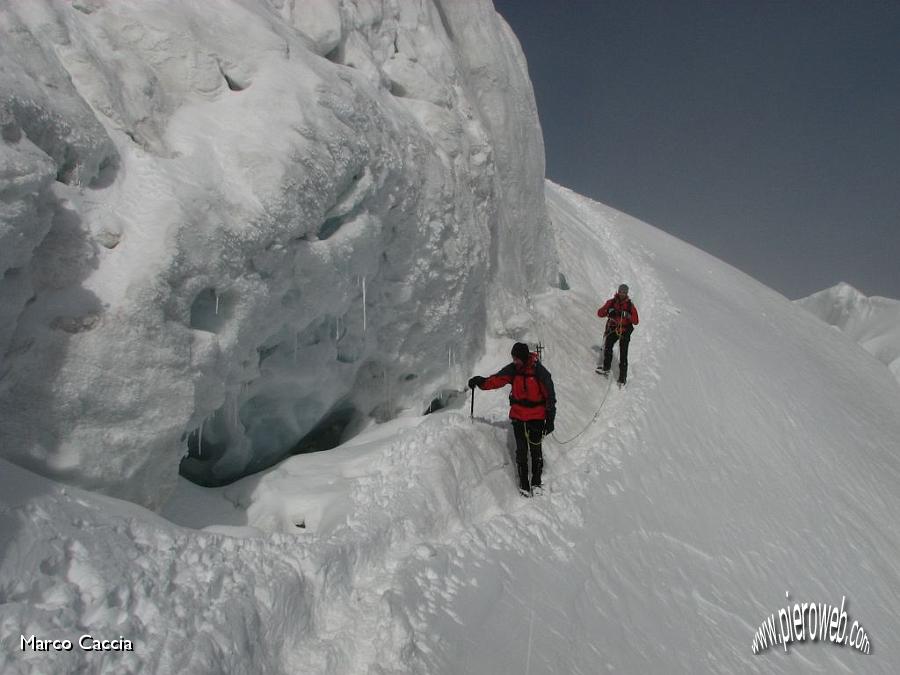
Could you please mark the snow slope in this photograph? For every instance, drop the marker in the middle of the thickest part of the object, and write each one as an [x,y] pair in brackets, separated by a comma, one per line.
[872,322]
[750,454]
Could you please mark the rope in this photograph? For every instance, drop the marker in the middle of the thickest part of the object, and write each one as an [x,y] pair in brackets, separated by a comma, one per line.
[528,438]
[593,419]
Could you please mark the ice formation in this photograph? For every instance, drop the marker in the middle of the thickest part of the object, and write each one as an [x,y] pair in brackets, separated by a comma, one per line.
[224,225]
[873,322]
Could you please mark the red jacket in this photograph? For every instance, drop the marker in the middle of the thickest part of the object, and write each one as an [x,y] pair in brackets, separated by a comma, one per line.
[532,396]
[620,307]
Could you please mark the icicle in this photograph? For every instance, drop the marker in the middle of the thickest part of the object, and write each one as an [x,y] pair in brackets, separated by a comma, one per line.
[216,295]
[364,303]
[387,392]
[200,440]
[235,409]
[296,345]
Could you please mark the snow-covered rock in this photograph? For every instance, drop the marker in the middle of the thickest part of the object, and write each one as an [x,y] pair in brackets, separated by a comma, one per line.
[228,225]
[873,322]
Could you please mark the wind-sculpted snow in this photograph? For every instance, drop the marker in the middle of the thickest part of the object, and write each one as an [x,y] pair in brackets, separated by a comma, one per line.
[874,322]
[237,230]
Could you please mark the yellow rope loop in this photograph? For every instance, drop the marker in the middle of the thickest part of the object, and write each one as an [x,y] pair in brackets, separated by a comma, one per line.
[528,437]
[593,419]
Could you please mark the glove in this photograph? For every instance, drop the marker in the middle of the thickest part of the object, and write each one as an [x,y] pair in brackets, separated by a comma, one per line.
[476,381]
[613,312]
[626,315]
[548,426]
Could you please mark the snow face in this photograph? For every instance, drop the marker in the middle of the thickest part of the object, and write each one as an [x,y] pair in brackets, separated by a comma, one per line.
[237,229]
[751,454]
[872,322]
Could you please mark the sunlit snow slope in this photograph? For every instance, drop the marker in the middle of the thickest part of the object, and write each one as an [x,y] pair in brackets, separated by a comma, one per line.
[752,453]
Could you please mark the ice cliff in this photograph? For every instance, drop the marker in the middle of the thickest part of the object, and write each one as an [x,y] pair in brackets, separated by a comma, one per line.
[223,225]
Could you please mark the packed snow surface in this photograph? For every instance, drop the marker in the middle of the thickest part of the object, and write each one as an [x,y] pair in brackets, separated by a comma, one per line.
[752,454]
[872,322]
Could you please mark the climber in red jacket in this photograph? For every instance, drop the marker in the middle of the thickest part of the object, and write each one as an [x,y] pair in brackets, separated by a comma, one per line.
[621,317]
[532,409]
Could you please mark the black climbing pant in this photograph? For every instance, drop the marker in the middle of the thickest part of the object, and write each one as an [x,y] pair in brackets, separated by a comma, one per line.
[528,441]
[611,339]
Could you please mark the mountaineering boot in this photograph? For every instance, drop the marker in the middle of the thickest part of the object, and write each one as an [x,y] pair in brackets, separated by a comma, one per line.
[537,490]
[525,492]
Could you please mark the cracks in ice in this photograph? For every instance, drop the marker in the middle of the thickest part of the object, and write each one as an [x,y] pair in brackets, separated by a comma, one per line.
[234,84]
[444,22]
[363,284]
[398,90]
[347,205]
[329,227]
[210,310]
[330,431]
[336,56]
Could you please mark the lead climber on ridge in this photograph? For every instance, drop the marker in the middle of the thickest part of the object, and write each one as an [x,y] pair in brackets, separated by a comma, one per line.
[621,317]
[532,410]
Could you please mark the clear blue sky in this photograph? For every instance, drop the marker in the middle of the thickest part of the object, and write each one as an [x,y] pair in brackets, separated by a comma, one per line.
[766,133]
